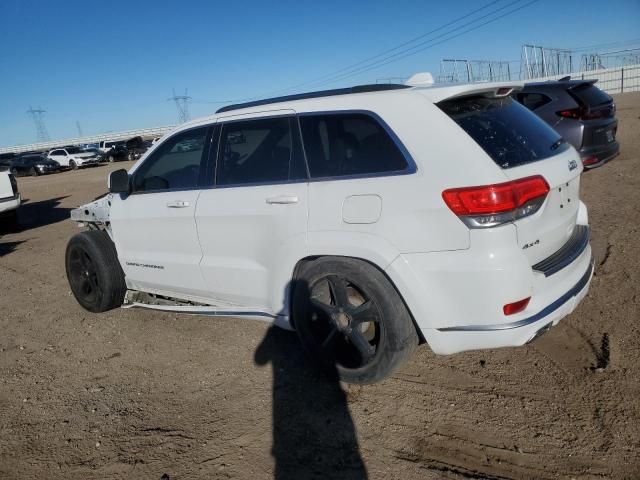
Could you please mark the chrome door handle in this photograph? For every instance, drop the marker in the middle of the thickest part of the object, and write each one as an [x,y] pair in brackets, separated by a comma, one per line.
[282,200]
[178,204]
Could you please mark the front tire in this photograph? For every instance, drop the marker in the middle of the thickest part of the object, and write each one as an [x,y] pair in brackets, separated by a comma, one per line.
[33,172]
[111,159]
[94,273]
[73,165]
[351,319]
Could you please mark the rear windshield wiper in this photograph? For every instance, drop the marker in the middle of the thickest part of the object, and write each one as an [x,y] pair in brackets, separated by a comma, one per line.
[555,145]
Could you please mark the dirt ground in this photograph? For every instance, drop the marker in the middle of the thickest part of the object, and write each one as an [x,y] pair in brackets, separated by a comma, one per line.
[138,394]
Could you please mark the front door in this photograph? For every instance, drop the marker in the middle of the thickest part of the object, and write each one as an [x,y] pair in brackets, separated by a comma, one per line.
[252,225]
[154,227]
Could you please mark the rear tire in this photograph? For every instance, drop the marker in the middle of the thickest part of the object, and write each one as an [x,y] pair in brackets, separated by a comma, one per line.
[350,318]
[33,172]
[94,272]
[13,171]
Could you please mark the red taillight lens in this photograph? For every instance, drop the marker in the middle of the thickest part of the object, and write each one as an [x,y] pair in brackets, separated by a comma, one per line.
[583,113]
[572,113]
[516,307]
[589,160]
[494,199]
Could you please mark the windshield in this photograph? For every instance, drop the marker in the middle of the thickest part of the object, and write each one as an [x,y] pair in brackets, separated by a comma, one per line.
[506,130]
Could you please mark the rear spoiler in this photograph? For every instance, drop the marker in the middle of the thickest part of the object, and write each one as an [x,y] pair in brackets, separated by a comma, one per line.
[583,83]
[492,90]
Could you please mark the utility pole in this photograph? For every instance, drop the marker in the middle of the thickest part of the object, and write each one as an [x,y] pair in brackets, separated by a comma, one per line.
[182,105]
[38,119]
[79,128]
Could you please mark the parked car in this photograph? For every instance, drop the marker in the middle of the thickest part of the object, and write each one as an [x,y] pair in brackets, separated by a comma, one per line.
[33,164]
[10,199]
[117,153]
[106,145]
[73,157]
[579,111]
[6,158]
[136,147]
[98,153]
[364,218]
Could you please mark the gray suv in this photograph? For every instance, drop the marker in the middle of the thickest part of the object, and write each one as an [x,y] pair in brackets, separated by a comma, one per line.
[583,114]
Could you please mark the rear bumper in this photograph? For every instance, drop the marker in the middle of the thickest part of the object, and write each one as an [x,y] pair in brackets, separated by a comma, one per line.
[602,154]
[456,297]
[447,341]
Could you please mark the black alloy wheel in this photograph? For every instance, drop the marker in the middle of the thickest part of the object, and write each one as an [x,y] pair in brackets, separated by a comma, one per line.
[350,319]
[345,321]
[83,276]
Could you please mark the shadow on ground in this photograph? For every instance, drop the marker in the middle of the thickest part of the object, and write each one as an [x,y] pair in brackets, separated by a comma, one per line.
[313,432]
[8,247]
[37,214]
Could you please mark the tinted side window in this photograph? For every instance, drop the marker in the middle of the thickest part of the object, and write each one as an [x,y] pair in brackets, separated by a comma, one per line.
[509,133]
[533,100]
[259,151]
[348,144]
[176,164]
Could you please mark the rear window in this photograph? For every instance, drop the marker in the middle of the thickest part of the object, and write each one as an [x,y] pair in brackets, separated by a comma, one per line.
[590,95]
[509,133]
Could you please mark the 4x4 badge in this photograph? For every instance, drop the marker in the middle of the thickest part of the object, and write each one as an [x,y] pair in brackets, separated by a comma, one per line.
[573,165]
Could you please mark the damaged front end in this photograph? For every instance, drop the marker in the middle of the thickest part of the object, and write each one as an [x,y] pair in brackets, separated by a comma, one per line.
[94,215]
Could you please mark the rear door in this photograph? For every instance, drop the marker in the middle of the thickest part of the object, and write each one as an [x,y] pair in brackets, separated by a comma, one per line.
[523,145]
[252,225]
[154,227]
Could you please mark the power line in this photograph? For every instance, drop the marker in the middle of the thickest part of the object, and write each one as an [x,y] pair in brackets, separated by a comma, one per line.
[606,45]
[360,66]
[431,45]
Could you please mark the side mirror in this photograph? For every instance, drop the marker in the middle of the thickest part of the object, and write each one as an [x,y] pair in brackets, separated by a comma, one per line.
[119,181]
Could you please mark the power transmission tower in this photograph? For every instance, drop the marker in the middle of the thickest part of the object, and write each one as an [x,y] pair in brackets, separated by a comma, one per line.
[542,62]
[41,131]
[79,128]
[182,105]
[468,71]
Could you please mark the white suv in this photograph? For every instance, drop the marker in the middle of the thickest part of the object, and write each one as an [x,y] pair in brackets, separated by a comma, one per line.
[73,157]
[367,219]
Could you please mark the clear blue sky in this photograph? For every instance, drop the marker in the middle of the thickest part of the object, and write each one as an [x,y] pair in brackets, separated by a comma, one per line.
[111,65]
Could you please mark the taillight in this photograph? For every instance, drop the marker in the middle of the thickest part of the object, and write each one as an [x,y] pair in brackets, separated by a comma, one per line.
[575,113]
[490,205]
[516,307]
[583,113]
[587,161]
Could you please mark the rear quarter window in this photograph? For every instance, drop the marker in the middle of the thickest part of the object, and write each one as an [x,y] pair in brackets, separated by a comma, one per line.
[347,144]
[533,101]
[506,130]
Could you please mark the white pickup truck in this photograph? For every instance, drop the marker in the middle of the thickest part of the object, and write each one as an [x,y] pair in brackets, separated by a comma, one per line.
[9,196]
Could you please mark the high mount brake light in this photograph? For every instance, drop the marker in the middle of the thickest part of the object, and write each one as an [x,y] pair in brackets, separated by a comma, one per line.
[490,205]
